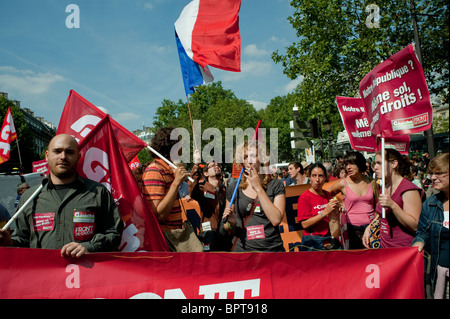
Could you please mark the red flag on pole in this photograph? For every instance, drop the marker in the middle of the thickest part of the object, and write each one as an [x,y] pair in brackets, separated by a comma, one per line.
[80,116]
[358,126]
[8,134]
[396,96]
[102,161]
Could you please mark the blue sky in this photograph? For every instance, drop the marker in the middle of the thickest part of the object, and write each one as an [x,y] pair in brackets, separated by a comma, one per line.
[123,57]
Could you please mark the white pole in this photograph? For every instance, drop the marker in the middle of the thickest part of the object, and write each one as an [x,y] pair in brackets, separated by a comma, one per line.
[151,149]
[36,192]
[383,175]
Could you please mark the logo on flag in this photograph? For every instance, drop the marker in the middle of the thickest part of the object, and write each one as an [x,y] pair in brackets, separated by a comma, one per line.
[102,161]
[79,117]
[8,134]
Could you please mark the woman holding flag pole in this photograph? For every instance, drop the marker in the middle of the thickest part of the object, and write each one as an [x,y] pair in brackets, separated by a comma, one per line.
[401,200]
[253,218]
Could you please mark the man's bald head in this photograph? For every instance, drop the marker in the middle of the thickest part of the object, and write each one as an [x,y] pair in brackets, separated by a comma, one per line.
[62,156]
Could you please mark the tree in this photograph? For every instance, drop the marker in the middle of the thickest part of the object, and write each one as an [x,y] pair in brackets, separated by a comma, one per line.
[214,106]
[336,49]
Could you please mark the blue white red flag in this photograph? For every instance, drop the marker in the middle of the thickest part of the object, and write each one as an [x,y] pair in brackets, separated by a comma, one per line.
[208,31]
[193,74]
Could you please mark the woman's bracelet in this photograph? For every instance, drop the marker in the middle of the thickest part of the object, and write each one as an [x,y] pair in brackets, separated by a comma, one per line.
[229,226]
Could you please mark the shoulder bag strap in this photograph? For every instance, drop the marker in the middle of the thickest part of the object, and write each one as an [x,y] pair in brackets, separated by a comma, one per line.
[252,209]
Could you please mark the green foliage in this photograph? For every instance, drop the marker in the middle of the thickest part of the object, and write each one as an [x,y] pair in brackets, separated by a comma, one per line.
[335,48]
[214,106]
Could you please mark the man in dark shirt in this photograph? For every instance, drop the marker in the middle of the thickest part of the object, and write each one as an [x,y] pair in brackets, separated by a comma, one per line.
[70,213]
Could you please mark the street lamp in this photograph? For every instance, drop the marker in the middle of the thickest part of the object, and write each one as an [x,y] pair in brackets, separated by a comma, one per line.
[327,128]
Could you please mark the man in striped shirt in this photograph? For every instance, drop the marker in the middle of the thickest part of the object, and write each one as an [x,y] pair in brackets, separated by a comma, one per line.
[161,183]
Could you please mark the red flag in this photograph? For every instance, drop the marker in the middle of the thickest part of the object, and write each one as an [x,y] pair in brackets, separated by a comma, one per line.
[80,116]
[102,161]
[8,134]
[358,126]
[396,96]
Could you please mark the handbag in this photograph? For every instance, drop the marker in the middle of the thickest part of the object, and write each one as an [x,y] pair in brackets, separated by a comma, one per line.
[183,239]
[375,225]
[375,235]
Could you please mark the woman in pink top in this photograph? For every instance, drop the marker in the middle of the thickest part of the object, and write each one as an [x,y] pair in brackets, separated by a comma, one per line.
[359,198]
[402,201]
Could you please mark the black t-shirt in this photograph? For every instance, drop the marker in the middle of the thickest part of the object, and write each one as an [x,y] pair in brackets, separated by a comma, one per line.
[259,233]
[444,248]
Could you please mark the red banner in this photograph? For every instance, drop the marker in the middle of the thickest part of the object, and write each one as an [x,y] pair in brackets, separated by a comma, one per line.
[358,126]
[102,161]
[41,167]
[79,117]
[7,135]
[364,274]
[396,96]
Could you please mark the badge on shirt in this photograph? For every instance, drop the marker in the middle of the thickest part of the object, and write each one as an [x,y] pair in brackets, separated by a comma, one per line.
[83,225]
[445,223]
[209,195]
[43,221]
[255,232]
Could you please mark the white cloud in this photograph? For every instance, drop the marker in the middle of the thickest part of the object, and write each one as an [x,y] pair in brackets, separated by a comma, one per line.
[257,105]
[291,86]
[249,69]
[26,82]
[127,116]
[253,51]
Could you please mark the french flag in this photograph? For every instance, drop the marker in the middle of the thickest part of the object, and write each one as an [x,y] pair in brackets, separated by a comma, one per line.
[207,33]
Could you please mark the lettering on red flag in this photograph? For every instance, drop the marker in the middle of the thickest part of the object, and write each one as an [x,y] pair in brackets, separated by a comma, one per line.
[7,135]
[102,161]
[396,96]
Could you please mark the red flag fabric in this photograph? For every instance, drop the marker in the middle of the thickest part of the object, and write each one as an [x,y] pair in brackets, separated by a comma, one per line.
[8,134]
[79,117]
[102,161]
[396,96]
[358,124]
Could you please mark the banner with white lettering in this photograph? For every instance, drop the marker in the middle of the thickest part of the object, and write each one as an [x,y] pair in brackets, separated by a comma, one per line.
[396,96]
[7,136]
[102,161]
[358,126]
[80,116]
[363,274]
[41,167]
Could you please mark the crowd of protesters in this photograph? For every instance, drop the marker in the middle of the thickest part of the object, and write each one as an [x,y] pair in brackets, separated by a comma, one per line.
[412,210]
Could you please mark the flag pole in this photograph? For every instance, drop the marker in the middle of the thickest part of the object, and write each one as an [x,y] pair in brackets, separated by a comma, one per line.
[36,192]
[192,123]
[151,149]
[18,150]
[383,175]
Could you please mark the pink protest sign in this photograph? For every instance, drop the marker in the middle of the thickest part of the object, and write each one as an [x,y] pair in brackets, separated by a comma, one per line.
[396,96]
[357,124]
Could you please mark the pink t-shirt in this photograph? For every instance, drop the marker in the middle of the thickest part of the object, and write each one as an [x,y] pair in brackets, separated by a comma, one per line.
[309,205]
[360,209]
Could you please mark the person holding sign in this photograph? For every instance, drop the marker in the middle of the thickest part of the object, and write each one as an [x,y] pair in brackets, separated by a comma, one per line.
[432,232]
[318,212]
[401,199]
[259,206]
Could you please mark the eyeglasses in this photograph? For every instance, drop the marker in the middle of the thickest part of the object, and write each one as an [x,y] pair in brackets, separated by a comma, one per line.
[213,165]
[438,174]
